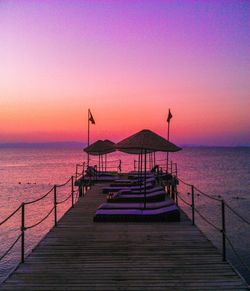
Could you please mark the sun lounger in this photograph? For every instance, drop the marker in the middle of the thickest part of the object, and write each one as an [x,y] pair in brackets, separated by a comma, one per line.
[134,182]
[132,188]
[168,213]
[134,175]
[150,197]
[100,178]
[154,189]
[140,205]
[92,172]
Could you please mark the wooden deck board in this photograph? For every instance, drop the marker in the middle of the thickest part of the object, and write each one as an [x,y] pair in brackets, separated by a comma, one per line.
[82,255]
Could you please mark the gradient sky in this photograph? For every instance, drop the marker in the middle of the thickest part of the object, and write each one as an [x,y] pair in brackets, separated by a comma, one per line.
[129,61]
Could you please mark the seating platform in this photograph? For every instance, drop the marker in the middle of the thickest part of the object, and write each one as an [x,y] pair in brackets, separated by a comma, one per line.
[168,213]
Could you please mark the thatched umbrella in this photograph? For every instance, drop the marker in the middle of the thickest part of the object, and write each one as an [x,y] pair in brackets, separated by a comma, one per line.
[110,145]
[146,141]
[100,148]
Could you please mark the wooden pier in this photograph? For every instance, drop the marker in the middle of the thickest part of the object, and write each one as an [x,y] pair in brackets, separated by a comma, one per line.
[82,255]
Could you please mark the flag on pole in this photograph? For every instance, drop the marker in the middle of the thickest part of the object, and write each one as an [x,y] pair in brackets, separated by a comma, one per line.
[91,118]
[169,115]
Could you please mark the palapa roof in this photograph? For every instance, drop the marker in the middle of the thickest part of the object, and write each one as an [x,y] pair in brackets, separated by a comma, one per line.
[100,147]
[146,140]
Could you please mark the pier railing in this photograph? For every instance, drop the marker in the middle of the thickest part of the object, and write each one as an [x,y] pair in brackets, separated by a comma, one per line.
[104,165]
[190,199]
[80,169]
[70,196]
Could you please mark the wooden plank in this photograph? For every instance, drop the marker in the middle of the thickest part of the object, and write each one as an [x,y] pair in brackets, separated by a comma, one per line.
[82,255]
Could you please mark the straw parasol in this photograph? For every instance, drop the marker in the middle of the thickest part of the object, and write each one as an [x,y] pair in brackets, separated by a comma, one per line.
[146,141]
[100,148]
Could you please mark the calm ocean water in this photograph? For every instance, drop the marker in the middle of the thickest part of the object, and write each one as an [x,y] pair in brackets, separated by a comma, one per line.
[26,174]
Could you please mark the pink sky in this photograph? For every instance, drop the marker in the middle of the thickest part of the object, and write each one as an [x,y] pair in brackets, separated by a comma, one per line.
[129,61]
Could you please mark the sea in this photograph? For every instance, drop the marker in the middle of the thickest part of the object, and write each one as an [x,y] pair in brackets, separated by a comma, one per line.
[27,173]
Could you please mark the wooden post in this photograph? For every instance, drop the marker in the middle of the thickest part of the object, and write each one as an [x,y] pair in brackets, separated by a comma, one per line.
[80,190]
[22,233]
[55,205]
[223,230]
[72,191]
[193,206]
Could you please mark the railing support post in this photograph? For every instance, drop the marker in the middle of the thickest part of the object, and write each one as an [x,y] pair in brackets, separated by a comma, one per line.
[223,230]
[120,166]
[22,234]
[83,168]
[193,206]
[176,198]
[55,206]
[72,190]
[76,171]
[171,167]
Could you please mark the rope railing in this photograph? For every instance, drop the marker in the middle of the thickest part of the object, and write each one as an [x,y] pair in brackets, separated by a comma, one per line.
[237,255]
[64,200]
[64,184]
[216,199]
[184,201]
[207,221]
[22,207]
[222,230]
[237,214]
[10,248]
[12,214]
[39,199]
[40,221]
[208,196]
[185,183]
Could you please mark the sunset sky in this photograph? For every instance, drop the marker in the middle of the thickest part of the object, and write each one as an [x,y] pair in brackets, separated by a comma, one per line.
[128,61]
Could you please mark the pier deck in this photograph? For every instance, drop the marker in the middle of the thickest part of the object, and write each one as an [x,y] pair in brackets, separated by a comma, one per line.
[82,255]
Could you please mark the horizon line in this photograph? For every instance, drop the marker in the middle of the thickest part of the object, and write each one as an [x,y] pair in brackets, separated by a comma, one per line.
[84,143]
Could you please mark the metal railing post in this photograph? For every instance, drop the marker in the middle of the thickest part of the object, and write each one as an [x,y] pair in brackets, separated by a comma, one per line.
[176,198]
[223,230]
[83,168]
[22,234]
[55,206]
[120,166]
[193,206]
[134,165]
[176,170]
[171,167]
[72,190]
[76,170]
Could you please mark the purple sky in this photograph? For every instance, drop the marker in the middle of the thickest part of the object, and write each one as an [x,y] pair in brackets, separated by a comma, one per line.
[129,61]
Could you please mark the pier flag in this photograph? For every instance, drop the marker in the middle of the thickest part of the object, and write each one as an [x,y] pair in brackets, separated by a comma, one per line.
[169,115]
[91,118]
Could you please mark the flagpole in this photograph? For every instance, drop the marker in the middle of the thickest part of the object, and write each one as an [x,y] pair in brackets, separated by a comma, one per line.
[167,152]
[88,135]
[168,135]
